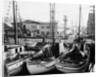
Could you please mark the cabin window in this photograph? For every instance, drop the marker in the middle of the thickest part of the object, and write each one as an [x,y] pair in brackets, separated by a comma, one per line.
[16,50]
[5,48]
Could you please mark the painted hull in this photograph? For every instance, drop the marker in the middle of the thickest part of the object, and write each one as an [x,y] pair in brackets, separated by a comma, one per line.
[14,67]
[43,66]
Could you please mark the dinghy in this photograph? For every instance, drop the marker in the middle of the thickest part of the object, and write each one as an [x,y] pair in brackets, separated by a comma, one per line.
[41,62]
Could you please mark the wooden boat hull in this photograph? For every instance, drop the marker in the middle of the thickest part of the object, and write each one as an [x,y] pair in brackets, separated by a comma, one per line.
[14,67]
[72,69]
[15,71]
[71,66]
[40,68]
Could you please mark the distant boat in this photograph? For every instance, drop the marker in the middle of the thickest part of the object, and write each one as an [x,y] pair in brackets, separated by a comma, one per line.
[69,65]
[42,61]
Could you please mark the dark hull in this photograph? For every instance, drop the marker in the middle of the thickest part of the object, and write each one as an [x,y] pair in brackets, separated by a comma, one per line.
[72,69]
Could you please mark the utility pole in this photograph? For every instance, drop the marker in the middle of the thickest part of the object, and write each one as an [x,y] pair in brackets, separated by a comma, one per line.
[65,20]
[15,24]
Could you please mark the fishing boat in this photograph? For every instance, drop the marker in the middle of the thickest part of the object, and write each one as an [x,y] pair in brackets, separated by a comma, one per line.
[77,58]
[13,61]
[67,64]
[42,61]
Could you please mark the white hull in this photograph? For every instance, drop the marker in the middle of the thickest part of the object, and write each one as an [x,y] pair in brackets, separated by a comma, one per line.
[35,68]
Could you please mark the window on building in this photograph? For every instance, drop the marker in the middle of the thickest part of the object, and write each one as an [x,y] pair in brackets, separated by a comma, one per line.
[37,31]
[48,33]
[34,26]
[48,27]
[42,27]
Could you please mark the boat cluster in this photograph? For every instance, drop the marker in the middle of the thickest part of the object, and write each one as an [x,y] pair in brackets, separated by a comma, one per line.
[42,57]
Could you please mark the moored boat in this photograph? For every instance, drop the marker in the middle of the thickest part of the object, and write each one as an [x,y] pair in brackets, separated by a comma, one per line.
[13,61]
[35,67]
[42,61]
[73,63]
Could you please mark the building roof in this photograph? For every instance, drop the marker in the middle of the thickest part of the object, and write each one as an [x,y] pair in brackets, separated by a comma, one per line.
[46,23]
[37,22]
[31,21]
[7,26]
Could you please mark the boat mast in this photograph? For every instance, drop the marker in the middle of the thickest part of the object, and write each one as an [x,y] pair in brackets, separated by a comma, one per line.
[50,22]
[79,21]
[15,24]
[52,19]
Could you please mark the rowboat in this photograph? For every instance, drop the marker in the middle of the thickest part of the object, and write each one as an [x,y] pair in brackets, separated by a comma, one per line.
[41,62]
[69,65]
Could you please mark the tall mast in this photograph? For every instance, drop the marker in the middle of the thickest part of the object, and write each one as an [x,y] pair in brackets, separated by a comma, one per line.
[53,23]
[52,16]
[50,22]
[15,24]
[79,21]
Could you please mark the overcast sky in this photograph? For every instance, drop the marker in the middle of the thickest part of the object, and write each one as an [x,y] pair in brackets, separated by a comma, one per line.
[40,11]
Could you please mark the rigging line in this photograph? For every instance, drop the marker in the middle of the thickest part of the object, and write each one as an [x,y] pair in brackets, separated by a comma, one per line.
[8,10]
[18,13]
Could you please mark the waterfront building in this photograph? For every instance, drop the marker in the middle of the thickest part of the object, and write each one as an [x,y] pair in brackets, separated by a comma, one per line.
[40,28]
